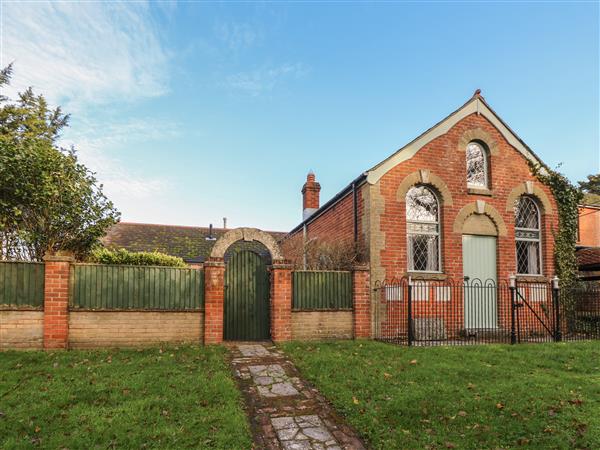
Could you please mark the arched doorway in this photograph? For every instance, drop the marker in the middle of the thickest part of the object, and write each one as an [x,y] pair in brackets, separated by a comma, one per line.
[247,293]
[247,254]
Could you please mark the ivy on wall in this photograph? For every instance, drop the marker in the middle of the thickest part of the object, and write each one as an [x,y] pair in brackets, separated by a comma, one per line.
[567,198]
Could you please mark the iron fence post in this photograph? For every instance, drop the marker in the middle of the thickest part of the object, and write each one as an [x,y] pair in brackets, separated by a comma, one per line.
[556,304]
[513,287]
[410,327]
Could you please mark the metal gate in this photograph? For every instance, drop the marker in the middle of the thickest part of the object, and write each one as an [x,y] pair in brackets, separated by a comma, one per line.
[247,288]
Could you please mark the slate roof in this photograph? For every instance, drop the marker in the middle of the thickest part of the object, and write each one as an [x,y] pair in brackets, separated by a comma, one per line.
[189,243]
[588,258]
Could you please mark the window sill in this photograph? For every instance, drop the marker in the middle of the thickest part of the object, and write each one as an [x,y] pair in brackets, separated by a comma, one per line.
[479,191]
[426,276]
[532,278]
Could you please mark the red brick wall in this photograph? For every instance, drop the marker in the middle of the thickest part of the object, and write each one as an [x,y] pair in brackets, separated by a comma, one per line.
[361,291]
[56,302]
[589,226]
[214,297]
[334,225]
[508,169]
[281,303]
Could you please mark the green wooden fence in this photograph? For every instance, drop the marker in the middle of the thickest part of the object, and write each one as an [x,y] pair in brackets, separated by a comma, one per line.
[136,287]
[321,290]
[21,284]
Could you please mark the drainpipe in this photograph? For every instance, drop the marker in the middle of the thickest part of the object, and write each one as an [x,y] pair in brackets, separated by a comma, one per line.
[304,232]
[355,206]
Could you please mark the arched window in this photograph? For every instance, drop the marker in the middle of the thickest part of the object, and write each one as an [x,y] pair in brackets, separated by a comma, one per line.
[423,229]
[477,166]
[528,236]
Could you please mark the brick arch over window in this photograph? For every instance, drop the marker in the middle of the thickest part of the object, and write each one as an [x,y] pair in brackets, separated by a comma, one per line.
[529,188]
[246,234]
[425,177]
[479,207]
[478,134]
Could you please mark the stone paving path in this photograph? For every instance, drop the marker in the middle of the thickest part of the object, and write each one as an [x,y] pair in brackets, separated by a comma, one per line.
[285,411]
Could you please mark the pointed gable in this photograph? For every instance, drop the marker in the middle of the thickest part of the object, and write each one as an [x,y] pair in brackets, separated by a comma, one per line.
[475,105]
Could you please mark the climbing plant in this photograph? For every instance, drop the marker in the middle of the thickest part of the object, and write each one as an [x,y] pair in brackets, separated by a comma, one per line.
[567,198]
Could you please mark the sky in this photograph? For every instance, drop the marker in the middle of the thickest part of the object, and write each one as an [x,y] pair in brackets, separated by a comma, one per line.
[189,112]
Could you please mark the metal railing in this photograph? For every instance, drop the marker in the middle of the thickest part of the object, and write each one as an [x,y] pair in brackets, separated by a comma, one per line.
[431,312]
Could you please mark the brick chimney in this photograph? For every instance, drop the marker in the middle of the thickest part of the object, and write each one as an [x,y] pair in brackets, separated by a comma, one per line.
[310,196]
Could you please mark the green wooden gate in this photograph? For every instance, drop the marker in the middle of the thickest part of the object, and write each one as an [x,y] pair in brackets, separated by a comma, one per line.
[246,308]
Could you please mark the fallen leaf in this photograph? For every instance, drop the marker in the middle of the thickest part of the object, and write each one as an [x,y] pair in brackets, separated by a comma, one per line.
[470,386]
[576,401]
[38,429]
[523,441]
[450,445]
[413,361]
[462,413]
[355,400]
[499,406]
[387,375]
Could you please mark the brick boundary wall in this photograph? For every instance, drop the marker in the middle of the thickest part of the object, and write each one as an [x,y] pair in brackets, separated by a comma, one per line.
[361,293]
[214,297]
[56,301]
[102,329]
[281,303]
[21,329]
[59,327]
[322,325]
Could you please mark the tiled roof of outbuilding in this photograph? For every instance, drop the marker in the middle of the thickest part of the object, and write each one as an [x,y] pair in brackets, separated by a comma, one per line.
[189,243]
[588,258]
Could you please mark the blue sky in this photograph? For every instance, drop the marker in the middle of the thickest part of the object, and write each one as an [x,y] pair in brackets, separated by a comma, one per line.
[190,112]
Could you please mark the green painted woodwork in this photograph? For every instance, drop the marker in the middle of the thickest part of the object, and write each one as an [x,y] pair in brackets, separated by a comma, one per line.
[321,290]
[21,284]
[479,264]
[136,287]
[247,293]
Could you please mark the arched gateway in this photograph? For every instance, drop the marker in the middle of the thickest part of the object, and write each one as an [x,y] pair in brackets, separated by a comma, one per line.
[245,254]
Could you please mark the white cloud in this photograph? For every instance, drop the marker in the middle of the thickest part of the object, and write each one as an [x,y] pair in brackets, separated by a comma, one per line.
[236,36]
[262,80]
[88,56]
[78,54]
[93,148]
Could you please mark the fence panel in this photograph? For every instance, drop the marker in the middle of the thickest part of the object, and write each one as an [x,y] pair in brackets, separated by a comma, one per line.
[136,287]
[328,290]
[430,312]
[21,284]
[580,311]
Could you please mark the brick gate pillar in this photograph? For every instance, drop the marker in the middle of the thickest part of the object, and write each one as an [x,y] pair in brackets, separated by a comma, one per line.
[361,296]
[214,297]
[281,302]
[57,269]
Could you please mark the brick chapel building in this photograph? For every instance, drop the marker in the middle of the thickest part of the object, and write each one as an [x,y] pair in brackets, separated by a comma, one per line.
[458,202]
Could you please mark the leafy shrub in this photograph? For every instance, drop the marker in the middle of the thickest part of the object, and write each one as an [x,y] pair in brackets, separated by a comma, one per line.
[124,257]
[316,254]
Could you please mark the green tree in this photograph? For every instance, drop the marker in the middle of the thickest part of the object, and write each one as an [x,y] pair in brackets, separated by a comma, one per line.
[591,189]
[48,200]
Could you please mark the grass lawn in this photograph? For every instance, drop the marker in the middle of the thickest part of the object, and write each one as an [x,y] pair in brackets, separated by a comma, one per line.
[494,396]
[170,397]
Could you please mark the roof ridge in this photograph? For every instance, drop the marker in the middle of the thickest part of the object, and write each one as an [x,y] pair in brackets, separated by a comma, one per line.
[190,226]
